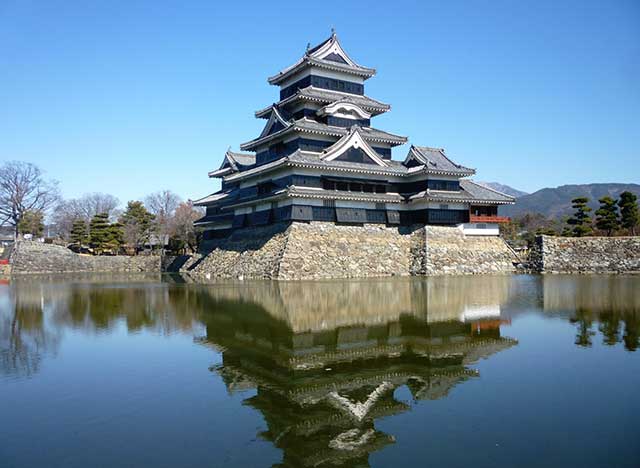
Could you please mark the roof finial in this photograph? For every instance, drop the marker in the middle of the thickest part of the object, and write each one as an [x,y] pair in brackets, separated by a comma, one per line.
[333,32]
[308,46]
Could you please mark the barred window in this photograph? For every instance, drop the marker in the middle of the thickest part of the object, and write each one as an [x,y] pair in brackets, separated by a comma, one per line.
[380,206]
[329,203]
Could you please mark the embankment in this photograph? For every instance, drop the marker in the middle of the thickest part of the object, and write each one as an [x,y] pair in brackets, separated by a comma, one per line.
[36,257]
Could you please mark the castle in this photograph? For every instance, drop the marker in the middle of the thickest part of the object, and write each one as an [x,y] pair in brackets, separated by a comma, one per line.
[319,159]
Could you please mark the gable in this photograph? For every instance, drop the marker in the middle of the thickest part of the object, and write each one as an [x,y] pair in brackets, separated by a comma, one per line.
[355,155]
[352,147]
[274,124]
[333,57]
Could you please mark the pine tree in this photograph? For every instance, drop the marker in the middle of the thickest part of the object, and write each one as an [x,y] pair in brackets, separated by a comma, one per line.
[99,232]
[79,232]
[607,215]
[115,237]
[31,223]
[581,221]
[137,224]
[630,217]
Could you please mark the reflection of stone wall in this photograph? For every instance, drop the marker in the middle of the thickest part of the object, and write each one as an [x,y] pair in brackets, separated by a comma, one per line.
[586,254]
[327,305]
[35,257]
[326,250]
[600,294]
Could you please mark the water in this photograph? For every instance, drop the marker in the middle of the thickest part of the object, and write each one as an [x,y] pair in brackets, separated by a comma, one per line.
[479,371]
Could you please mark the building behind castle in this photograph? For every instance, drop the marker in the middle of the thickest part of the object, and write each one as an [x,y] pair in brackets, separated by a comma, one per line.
[318,158]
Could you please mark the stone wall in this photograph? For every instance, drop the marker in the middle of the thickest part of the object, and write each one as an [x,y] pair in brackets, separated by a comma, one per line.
[320,250]
[36,257]
[586,254]
[449,251]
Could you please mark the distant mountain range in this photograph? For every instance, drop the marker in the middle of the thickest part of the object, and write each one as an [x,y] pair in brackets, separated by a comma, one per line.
[556,202]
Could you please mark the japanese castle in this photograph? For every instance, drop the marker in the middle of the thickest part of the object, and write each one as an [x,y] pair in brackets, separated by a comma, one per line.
[318,158]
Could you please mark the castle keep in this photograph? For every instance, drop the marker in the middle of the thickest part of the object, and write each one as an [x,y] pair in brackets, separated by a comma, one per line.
[319,158]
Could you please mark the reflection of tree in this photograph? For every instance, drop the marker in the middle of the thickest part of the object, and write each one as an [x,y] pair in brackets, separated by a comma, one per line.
[610,328]
[585,324]
[24,338]
[611,301]
[631,337]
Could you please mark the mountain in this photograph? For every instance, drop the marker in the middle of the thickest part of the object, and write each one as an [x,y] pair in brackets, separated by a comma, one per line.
[504,189]
[556,202]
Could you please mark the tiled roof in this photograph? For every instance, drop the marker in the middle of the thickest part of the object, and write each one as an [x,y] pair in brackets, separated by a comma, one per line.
[306,192]
[436,160]
[303,157]
[325,96]
[311,126]
[470,192]
[482,192]
[244,159]
[318,56]
[217,196]
[369,133]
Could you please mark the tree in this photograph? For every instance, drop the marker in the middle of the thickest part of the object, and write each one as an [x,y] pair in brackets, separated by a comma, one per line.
[99,232]
[581,221]
[629,215]
[162,205]
[184,234]
[23,188]
[85,207]
[136,222]
[79,234]
[31,223]
[115,237]
[607,215]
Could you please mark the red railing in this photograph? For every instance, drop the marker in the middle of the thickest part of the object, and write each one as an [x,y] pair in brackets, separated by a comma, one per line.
[488,219]
[4,261]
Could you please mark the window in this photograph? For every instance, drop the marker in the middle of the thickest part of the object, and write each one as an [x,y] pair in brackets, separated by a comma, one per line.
[380,206]
[265,188]
[328,184]
[329,203]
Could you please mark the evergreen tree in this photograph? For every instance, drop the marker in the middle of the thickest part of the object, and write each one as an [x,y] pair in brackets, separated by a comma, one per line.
[115,237]
[99,232]
[79,232]
[137,224]
[607,215]
[630,217]
[581,221]
[31,223]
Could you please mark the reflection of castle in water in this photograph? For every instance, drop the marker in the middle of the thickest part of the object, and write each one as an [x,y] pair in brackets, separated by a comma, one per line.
[326,358]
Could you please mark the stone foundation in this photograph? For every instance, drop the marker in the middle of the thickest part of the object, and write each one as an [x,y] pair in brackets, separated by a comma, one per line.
[36,257]
[449,251]
[586,254]
[320,250]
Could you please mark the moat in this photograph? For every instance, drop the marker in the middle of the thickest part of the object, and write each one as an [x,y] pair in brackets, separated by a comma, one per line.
[151,370]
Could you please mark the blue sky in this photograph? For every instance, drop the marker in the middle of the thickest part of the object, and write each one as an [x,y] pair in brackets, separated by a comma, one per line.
[132,97]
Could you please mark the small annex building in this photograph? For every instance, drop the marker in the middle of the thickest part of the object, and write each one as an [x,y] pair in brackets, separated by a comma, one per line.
[319,158]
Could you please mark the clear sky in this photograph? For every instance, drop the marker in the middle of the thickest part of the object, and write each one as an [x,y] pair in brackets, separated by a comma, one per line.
[130,97]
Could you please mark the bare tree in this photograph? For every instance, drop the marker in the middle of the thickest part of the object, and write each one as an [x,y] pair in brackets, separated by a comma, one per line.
[85,208]
[163,206]
[162,203]
[23,189]
[182,225]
